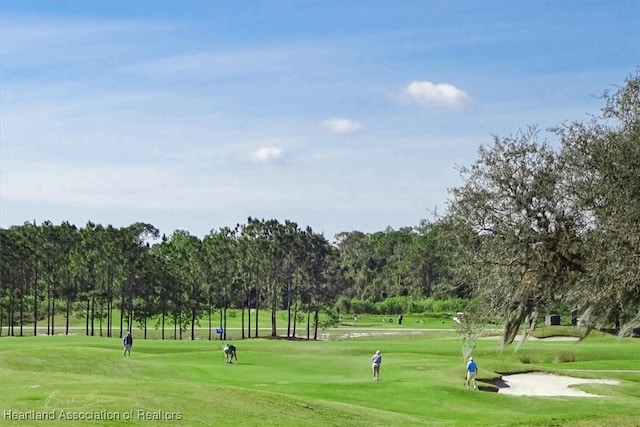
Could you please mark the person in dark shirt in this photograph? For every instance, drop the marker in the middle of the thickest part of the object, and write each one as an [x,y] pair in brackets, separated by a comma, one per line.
[229,353]
[128,342]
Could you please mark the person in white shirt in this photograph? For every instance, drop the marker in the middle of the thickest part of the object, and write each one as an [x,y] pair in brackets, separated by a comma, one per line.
[376,360]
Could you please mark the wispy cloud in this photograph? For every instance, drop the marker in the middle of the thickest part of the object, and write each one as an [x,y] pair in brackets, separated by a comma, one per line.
[139,187]
[341,126]
[206,65]
[35,42]
[266,155]
[425,93]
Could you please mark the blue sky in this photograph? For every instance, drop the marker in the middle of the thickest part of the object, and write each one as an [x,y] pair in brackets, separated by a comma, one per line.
[340,115]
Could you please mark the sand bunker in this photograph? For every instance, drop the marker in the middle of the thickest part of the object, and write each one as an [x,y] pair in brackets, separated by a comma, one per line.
[518,338]
[541,384]
[347,335]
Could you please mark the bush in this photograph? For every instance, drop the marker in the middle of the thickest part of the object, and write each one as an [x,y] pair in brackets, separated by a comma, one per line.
[424,305]
[400,305]
[343,305]
[449,305]
[393,305]
[527,358]
[566,357]
[362,306]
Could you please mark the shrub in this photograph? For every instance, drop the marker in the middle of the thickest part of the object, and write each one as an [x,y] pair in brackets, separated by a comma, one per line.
[527,358]
[399,305]
[343,305]
[393,305]
[424,305]
[362,306]
[566,357]
[449,305]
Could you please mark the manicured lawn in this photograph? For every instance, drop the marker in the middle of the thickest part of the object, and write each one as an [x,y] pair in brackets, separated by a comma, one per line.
[300,383]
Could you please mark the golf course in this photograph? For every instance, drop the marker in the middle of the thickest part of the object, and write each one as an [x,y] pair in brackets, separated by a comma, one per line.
[305,213]
[85,380]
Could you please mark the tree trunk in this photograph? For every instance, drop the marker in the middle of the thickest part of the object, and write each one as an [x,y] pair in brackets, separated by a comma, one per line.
[512,325]
[289,309]
[257,309]
[68,314]
[175,327]
[35,308]
[209,315]
[274,306]
[193,324]
[224,327]
[295,319]
[274,331]
[315,324]
[221,323]
[110,303]
[242,320]
[122,310]
[53,314]
[21,314]
[162,333]
[49,307]
[93,314]
[12,316]
[109,319]
[248,315]
[87,318]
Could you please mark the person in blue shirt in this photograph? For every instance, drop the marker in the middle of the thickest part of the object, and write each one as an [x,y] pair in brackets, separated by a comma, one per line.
[128,342]
[472,371]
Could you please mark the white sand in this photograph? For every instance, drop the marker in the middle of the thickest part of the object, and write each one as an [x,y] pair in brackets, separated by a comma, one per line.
[541,384]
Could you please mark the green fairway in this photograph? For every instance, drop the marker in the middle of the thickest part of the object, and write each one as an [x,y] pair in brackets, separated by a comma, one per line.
[298,383]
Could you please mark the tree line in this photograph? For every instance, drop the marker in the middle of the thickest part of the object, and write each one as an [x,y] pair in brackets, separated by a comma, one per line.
[175,281]
[536,227]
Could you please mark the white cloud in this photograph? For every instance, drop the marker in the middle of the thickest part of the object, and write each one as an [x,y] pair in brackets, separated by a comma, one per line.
[425,93]
[341,126]
[266,154]
[134,187]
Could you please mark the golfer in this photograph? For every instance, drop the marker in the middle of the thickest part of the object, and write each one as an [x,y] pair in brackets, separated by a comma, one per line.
[376,360]
[472,371]
[128,342]
[229,353]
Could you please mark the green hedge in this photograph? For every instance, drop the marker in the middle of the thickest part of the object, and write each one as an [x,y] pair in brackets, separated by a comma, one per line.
[400,305]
